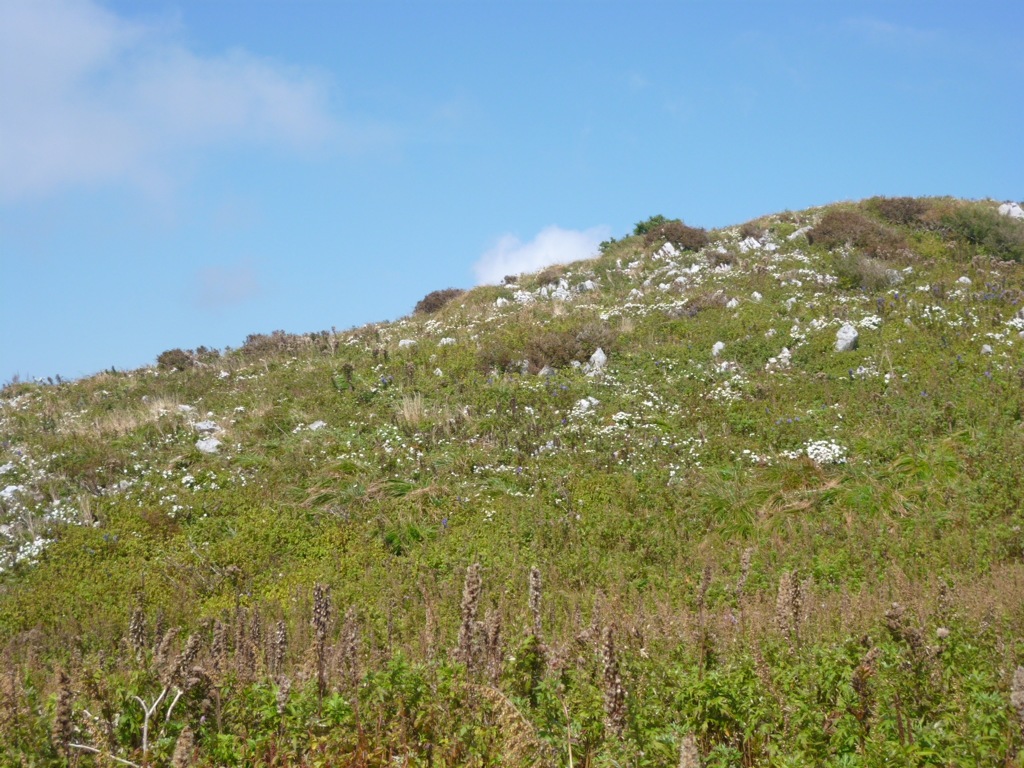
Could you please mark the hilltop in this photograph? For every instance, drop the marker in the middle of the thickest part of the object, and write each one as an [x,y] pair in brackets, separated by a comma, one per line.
[747,496]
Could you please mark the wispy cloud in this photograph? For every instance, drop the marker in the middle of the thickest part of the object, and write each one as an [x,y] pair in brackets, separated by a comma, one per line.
[219,287]
[552,245]
[90,97]
[899,36]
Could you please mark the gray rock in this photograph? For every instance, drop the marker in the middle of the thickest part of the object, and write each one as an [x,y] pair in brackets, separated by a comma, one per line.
[208,445]
[1013,210]
[986,349]
[206,426]
[847,338]
[547,370]
[406,343]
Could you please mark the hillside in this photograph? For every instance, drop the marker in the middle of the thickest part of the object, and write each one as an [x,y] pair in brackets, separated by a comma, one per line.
[638,510]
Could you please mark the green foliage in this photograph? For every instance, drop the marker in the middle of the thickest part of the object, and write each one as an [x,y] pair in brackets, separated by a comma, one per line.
[1001,237]
[667,498]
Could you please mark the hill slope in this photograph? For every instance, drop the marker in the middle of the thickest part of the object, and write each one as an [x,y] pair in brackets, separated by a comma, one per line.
[717,534]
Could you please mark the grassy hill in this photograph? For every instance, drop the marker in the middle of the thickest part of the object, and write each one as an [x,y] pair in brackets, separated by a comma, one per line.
[467,537]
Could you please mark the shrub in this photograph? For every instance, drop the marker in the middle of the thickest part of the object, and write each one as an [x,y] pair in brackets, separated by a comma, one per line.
[900,210]
[550,275]
[651,224]
[680,235]
[259,344]
[435,300]
[1000,236]
[754,229]
[859,271]
[844,226]
[174,360]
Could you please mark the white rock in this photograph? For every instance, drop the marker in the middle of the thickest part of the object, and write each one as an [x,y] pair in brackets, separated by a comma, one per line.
[547,370]
[716,348]
[501,301]
[438,372]
[404,343]
[799,233]
[986,349]
[207,426]
[750,244]
[208,445]
[186,408]
[588,285]
[668,250]
[964,280]
[1013,210]
[732,304]
[756,296]
[599,359]
[317,425]
[847,338]
[524,297]
[894,276]
[560,294]
[447,341]
[8,492]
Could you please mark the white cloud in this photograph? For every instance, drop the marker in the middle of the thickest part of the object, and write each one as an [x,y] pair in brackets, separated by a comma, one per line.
[218,287]
[89,97]
[552,245]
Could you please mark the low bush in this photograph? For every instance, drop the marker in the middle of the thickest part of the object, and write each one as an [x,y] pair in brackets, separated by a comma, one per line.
[982,226]
[435,300]
[651,224]
[174,360]
[907,211]
[680,235]
[845,226]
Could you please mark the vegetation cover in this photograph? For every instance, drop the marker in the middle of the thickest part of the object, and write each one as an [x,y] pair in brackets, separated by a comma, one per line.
[636,510]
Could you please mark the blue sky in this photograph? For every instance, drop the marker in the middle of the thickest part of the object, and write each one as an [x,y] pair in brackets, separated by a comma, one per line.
[177,174]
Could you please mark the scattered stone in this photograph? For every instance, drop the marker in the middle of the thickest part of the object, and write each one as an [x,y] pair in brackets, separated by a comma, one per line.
[597,362]
[1013,210]
[447,341]
[964,280]
[186,408]
[716,348]
[317,425]
[799,233]
[207,426]
[667,251]
[847,338]
[749,244]
[986,349]
[588,285]
[438,372]
[208,445]
[404,343]
[756,296]
[547,370]
[501,301]
[893,276]
[732,304]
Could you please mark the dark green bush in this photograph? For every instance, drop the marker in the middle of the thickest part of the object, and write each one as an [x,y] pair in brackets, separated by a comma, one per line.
[980,225]
[651,224]
[174,360]
[435,300]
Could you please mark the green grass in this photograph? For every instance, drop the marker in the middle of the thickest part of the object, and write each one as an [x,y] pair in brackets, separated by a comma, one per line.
[623,488]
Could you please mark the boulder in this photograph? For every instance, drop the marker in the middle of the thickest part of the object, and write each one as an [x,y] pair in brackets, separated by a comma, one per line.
[847,338]
[716,348]
[1013,210]
[208,445]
